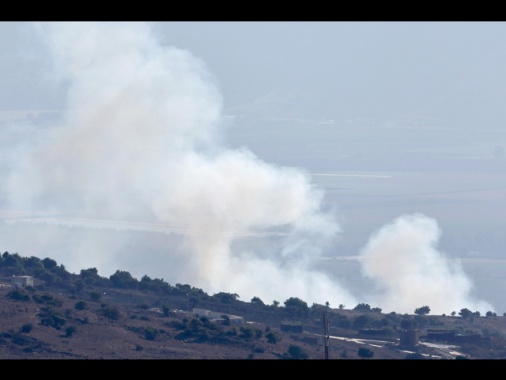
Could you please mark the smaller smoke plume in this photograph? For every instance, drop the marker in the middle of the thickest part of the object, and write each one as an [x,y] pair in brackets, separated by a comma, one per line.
[403,261]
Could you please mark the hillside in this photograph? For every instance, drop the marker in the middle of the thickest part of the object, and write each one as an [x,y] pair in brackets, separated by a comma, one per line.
[85,316]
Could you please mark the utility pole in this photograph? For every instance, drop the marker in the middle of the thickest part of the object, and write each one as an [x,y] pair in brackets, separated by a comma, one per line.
[326,333]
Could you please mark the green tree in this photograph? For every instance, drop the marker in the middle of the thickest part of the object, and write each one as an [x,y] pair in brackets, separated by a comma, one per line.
[272,337]
[47,299]
[295,307]
[80,305]
[12,264]
[156,285]
[34,264]
[362,321]
[124,280]
[421,320]
[26,328]
[226,297]
[49,317]
[408,324]
[362,307]
[342,321]
[365,353]
[150,333]
[257,301]
[297,352]
[18,295]
[95,296]
[69,331]
[49,263]
[424,310]
[247,332]
[193,301]
[465,313]
[111,312]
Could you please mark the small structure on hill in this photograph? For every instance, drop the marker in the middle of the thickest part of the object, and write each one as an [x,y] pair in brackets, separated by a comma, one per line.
[22,281]
[442,335]
[215,316]
[409,338]
[288,326]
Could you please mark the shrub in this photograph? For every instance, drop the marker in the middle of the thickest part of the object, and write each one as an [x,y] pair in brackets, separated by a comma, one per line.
[111,312]
[49,317]
[81,305]
[150,333]
[246,332]
[362,307]
[297,352]
[26,328]
[232,332]
[365,353]
[69,331]
[47,299]
[95,296]
[272,337]
[18,295]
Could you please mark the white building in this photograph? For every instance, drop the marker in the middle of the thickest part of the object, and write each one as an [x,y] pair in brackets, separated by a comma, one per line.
[215,316]
[22,281]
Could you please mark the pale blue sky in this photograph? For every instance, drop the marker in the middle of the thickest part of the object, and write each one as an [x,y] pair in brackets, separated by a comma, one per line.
[451,71]
[339,70]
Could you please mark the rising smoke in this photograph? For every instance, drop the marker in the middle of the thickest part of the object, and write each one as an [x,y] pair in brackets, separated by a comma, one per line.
[409,272]
[143,141]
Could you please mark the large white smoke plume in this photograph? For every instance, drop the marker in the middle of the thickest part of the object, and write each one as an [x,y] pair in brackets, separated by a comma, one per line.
[143,142]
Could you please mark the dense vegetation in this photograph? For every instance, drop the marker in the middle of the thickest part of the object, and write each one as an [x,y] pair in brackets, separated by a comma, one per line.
[88,281]
[88,291]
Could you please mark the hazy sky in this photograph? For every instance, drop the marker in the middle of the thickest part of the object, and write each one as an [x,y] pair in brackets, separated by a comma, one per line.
[155,134]
[337,70]
[380,70]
